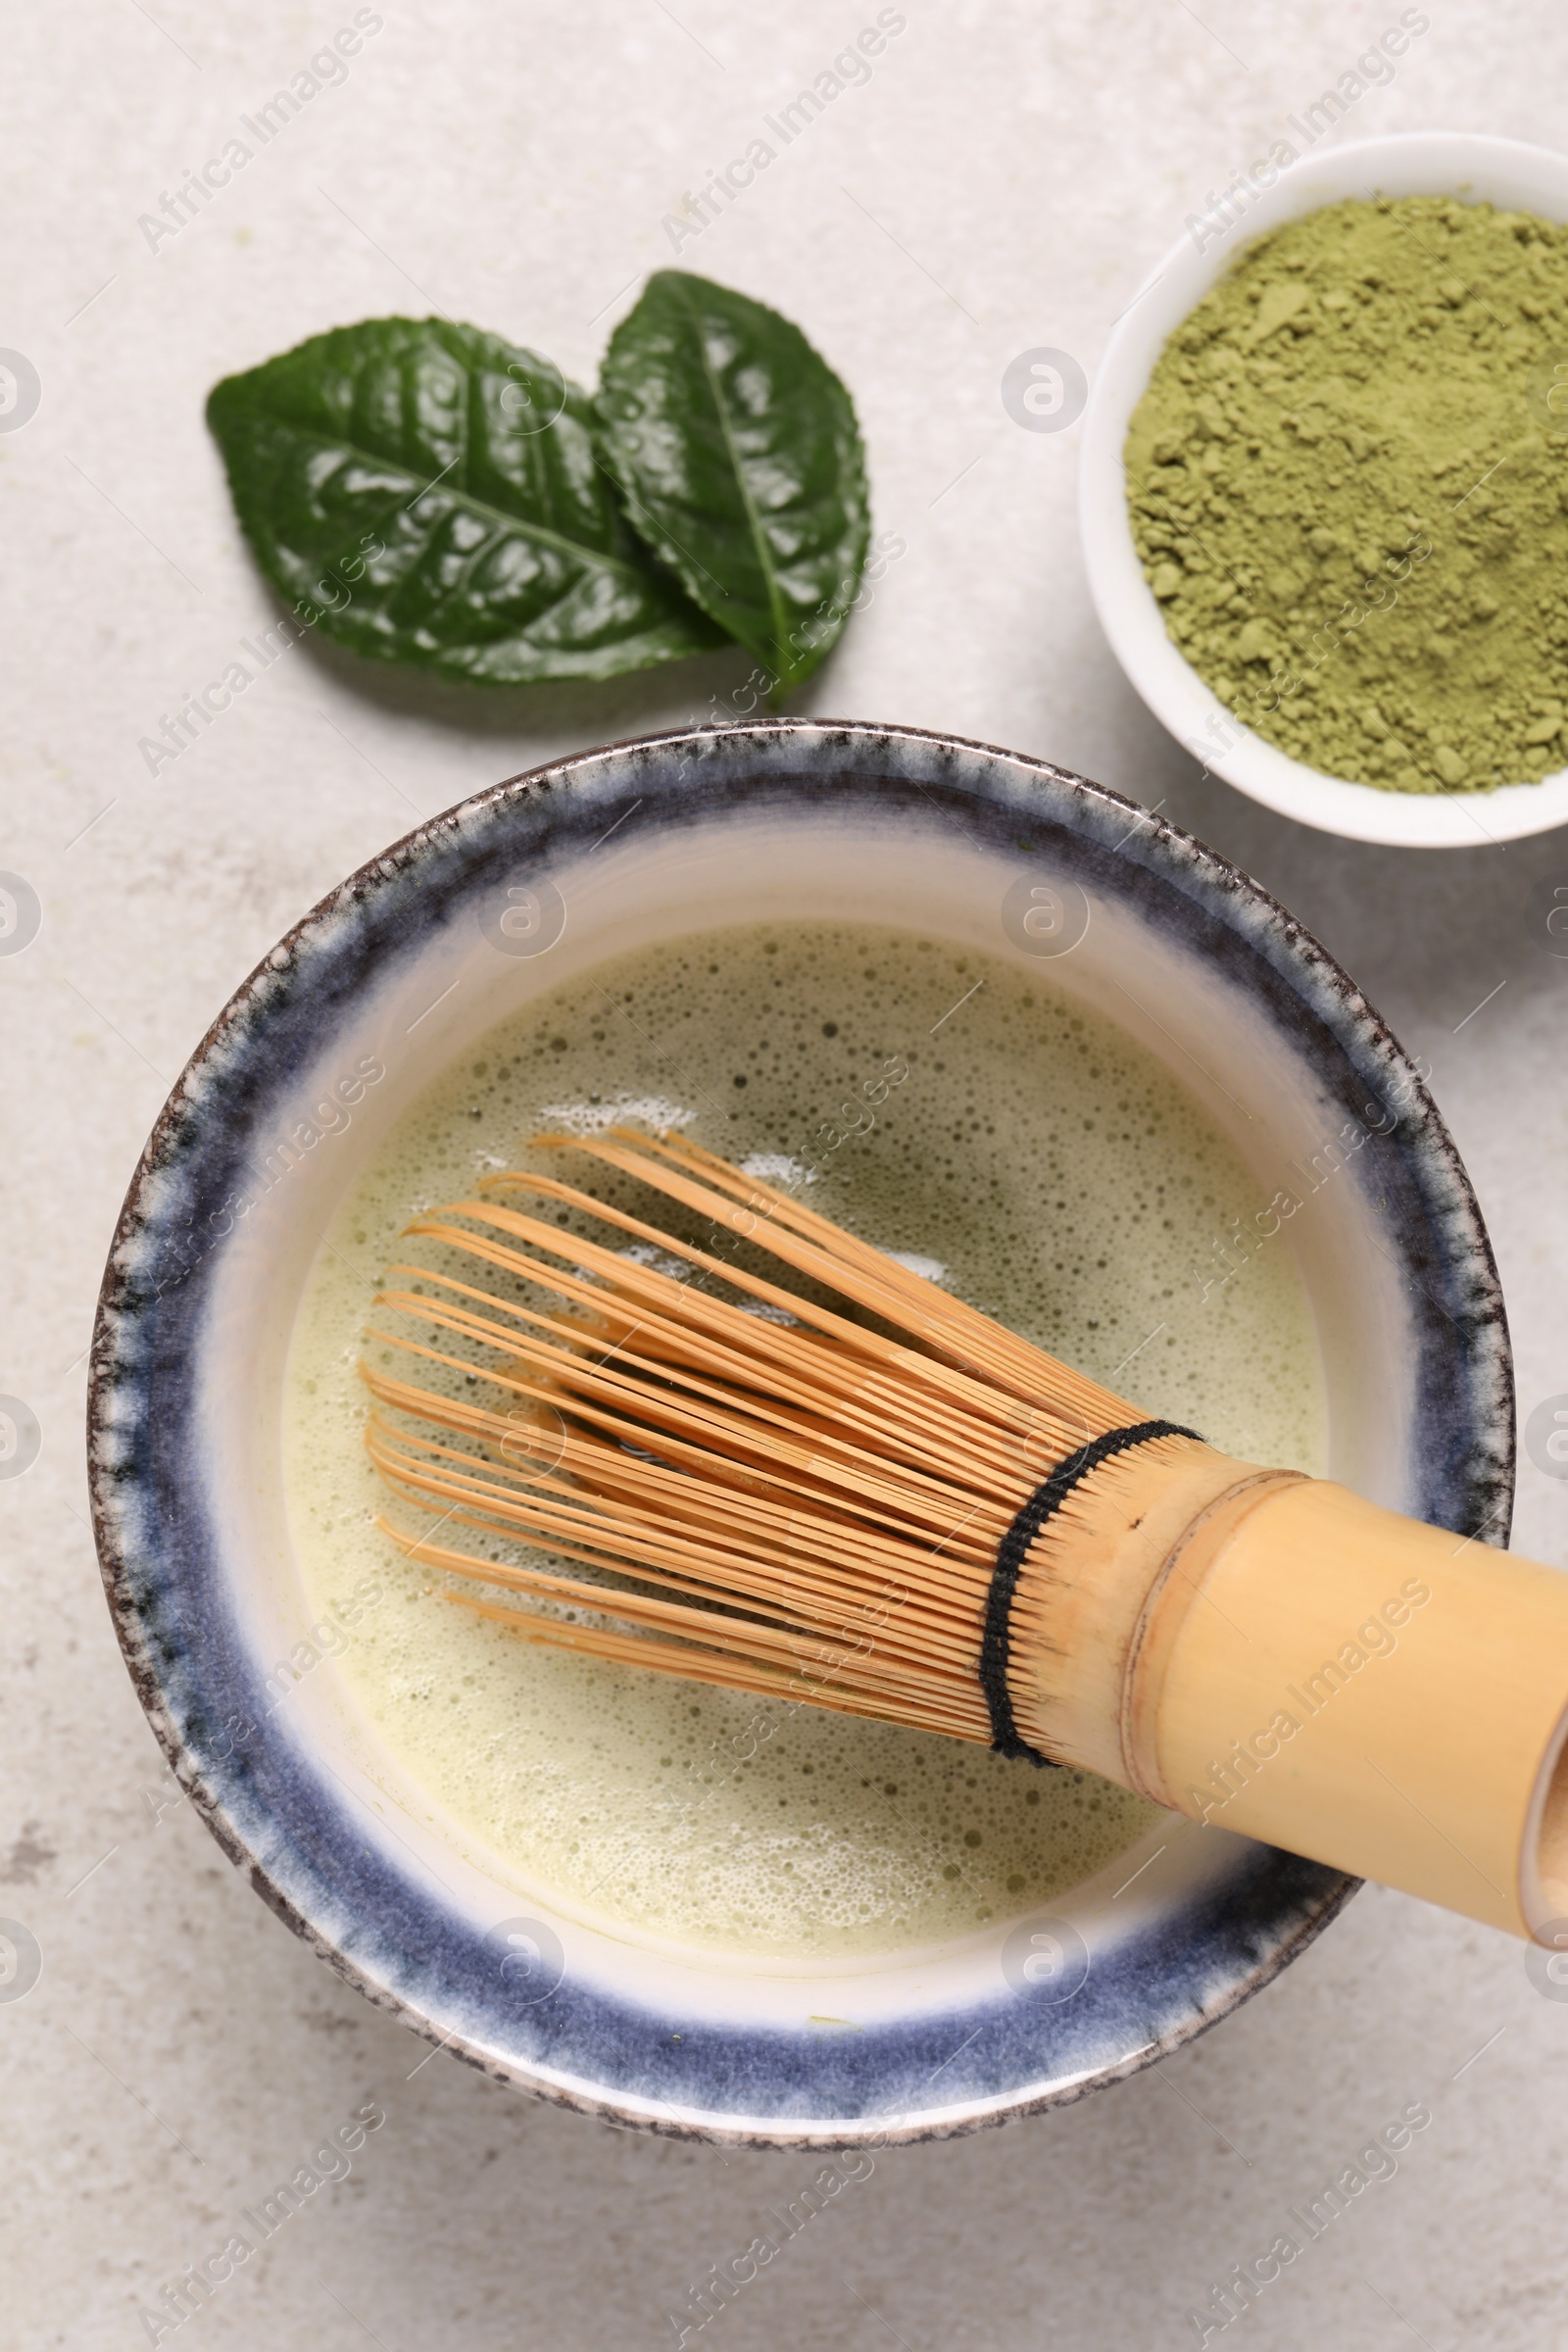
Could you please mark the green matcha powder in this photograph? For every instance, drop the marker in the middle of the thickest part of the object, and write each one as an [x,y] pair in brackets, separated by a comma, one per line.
[1349,485]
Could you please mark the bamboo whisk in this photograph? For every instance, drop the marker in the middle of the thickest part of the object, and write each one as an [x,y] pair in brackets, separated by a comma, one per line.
[889,1505]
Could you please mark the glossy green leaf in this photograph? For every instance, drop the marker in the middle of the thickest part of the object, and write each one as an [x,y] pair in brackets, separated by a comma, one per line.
[742,464]
[428,493]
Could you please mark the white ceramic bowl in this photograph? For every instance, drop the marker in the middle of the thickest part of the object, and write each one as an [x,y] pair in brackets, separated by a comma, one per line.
[402,971]
[1502,171]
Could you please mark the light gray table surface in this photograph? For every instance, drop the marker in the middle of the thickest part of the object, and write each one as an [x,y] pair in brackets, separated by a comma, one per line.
[1000,182]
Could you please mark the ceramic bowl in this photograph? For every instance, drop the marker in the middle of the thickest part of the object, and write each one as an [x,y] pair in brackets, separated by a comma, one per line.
[1502,171]
[401,970]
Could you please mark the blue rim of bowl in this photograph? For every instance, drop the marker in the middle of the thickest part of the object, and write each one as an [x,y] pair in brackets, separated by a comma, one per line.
[386,1932]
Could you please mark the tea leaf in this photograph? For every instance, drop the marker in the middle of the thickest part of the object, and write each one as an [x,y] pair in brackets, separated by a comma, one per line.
[434,494]
[742,464]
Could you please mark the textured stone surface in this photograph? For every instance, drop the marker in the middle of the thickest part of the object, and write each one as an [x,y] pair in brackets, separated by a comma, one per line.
[999,186]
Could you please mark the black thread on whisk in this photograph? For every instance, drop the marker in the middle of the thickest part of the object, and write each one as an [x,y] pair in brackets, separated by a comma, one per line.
[995,1650]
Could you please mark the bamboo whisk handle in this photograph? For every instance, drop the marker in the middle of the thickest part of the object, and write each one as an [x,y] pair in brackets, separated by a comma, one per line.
[1271,1653]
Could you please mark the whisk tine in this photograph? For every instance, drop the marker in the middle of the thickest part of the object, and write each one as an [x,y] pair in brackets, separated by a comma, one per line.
[945,1323]
[758,1490]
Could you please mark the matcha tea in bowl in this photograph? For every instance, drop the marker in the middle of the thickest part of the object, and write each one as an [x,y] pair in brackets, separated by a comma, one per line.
[1053,1056]
[1324,488]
